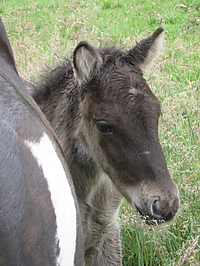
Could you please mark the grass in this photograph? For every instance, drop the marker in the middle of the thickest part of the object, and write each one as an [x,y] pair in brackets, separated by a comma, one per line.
[42,32]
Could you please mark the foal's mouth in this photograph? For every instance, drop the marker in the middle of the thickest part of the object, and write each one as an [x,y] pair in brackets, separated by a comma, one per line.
[149,219]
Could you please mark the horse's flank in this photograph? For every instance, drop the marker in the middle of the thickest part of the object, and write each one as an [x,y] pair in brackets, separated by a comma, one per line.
[36,192]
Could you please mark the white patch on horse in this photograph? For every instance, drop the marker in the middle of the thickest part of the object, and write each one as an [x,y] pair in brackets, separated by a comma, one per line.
[61,196]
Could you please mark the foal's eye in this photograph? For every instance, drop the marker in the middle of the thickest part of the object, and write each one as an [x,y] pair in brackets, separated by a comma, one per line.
[104,127]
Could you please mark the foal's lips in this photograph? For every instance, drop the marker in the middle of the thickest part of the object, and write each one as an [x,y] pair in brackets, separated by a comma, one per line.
[149,219]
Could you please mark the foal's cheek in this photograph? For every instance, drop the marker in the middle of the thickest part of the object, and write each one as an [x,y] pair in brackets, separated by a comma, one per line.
[111,147]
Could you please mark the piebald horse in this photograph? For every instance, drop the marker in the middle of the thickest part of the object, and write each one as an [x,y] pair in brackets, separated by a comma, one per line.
[39,215]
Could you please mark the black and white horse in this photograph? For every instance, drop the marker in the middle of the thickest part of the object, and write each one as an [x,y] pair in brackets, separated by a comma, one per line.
[39,218]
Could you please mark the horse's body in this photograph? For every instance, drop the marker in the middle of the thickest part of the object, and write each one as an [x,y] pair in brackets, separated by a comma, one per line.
[39,220]
[106,119]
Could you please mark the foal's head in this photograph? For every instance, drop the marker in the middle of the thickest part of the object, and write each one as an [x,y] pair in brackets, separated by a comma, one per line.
[119,127]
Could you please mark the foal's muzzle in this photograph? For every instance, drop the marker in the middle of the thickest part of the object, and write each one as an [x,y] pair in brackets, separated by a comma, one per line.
[159,211]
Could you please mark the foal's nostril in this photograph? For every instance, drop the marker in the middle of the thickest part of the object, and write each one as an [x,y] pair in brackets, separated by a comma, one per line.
[155,209]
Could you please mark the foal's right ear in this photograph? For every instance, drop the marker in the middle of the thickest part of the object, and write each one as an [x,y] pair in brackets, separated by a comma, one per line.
[86,62]
[144,52]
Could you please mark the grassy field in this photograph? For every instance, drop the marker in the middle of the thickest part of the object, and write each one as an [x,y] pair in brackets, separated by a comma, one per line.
[42,32]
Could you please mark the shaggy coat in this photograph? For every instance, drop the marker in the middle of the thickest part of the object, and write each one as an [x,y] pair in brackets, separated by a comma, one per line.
[106,119]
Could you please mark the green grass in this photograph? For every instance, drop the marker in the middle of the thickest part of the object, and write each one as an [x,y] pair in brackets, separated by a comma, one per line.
[42,32]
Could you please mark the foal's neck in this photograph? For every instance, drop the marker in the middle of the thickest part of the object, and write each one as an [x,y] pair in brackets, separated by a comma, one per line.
[61,106]
[85,173]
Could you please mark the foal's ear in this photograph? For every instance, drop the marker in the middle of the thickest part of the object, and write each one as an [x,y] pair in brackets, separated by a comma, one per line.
[86,62]
[144,52]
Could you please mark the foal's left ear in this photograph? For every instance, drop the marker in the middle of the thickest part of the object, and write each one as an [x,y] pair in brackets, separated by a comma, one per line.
[144,52]
[86,62]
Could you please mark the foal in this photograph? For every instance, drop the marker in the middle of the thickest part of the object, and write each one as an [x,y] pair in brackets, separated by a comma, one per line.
[106,119]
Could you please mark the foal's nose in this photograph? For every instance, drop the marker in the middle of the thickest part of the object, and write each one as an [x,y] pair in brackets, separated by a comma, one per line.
[159,207]
[155,209]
